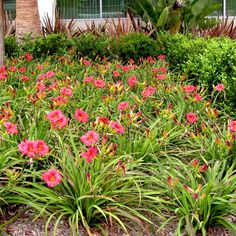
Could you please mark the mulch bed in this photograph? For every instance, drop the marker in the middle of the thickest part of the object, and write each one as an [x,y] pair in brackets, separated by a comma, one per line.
[25,225]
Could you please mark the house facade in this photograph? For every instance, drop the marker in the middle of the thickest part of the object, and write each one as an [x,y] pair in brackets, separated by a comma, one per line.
[100,9]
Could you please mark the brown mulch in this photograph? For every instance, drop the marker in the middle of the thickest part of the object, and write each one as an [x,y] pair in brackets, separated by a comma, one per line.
[25,225]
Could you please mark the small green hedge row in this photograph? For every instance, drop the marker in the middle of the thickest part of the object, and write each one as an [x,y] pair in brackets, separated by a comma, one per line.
[88,45]
[204,61]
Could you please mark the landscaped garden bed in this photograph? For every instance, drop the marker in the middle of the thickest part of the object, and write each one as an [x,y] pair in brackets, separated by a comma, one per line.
[102,144]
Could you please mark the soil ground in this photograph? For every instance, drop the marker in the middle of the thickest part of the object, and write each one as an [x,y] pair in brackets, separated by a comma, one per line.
[25,225]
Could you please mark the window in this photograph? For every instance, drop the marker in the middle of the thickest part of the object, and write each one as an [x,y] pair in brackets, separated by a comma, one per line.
[90,9]
[10,7]
[220,11]
[231,7]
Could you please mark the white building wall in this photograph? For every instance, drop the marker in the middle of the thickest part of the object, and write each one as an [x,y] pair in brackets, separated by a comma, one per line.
[47,7]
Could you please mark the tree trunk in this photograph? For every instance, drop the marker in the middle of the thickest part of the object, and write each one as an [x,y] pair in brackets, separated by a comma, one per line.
[27,18]
[1,34]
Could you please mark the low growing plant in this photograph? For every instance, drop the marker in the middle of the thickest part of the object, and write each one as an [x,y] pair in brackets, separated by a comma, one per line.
[201,195]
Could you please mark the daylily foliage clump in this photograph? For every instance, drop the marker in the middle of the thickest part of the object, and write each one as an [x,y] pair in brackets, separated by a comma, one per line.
[104,142]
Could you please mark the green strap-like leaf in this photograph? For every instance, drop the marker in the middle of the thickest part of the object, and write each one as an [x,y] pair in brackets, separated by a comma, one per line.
[149,11]
[163,17]
[208,10]
[199,6]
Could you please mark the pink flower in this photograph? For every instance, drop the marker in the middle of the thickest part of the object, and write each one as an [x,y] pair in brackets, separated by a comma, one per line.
[12,68]
[150,59]
[2,68]
[28,57]
[3,75]
[161,77]
[163,69]
[189,88]
[11,128]
[55,115]
[100,120]
[161,57]
[50,74]
[132,81]
[90,154]
[155,70]
[203,168]
[39,67]
[59,100]
[125,68]
[66,92]
[90,138]
[117,127]
[27,148]
[33,148]
[52,177]
[88,79]
[41,148]
[40,86]
[81,115]
[86,62]
[42,77]
[191,117]
[57,119]
[149,91]
[22,70]
[123,105]
[116,73]
[232,126]
[99,83]
[52,86]
[25,78]
[220,87]
[197,97]
[61,123]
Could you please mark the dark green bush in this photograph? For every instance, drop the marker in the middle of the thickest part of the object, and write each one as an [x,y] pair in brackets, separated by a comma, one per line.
[135,46]
[206,62]
[53,44]
[92,46]
[179,48]
[12,48]
[215,64]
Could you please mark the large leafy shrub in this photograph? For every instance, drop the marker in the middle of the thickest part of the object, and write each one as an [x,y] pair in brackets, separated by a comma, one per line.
[205,61]
[92,46]
[179,48]
[12,48]
[135,46]
[53,44]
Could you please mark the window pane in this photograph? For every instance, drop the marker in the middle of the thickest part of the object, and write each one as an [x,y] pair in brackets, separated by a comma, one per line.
[68,8]
[220,11]
[114,8]
[89,9]
[10,7]
[231,7]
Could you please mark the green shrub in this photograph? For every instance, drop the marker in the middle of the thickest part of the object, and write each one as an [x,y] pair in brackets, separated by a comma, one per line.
[12,48]
[135,46]
[215,64]
[92,46]
[51,45]
[179,48]
[205,61]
